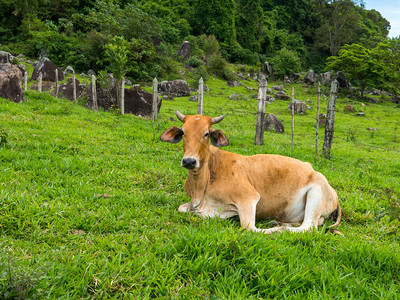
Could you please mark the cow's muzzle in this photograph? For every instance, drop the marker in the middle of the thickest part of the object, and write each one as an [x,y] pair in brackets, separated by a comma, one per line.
[189,163]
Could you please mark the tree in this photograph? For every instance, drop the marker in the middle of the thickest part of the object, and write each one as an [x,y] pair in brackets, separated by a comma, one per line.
[285,63]
[340,20]
[117,56]
[358,63]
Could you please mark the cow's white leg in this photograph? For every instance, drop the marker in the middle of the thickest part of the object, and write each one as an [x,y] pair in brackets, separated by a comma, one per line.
[187,207]
[247,215]
[312,212]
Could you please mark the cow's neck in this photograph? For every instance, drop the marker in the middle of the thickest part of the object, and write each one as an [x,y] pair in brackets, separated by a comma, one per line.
[198,180]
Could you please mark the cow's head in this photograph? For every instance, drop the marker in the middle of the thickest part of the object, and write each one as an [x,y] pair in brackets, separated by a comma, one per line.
[196,133]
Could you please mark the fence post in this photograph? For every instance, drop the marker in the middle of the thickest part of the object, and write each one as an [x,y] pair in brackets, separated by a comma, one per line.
[330,119]
[262,92]
[155,100]
[123,96]
[292,117]
[95,106]
[25,81]
[56,83]
[40,82]
[317,125]
[73,87]
[200,95]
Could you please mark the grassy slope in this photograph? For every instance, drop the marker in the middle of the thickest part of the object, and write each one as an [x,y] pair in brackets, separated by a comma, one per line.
[88,206]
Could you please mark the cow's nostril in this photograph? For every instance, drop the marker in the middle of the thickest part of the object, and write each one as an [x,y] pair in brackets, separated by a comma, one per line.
[189,162]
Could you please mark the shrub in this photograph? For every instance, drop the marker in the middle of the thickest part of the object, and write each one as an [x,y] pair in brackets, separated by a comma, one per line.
[219,67]
[194,62]
[285,63]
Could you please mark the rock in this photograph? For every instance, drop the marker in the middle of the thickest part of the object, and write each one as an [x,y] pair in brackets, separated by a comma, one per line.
[294,76]
[286,79]
[136,102]
[184,51]
[193,98]
[235,97]
[128,82]
[278,88]
[360,114]
[281,96]
[48,69]
[68,70]
[375,92]
[234,83]
[308,101]
[372,129]
[270,91]
[396,99]
[11,82]
[46,86]
[29,61]
[249,88]
[67,90]
[322,116]
[266,69]
[300,107]
[206,88]
[6,57]
[174,88]
[271,122]
[325,77]
[310,77]
[269,98]
[240,75]
[91,72]
[83,75]
[136,87]
[343,82]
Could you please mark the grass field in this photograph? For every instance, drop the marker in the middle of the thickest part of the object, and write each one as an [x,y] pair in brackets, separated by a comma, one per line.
[88,205]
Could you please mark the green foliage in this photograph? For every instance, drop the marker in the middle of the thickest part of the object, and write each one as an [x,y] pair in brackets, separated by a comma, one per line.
[285,63]
[117,56]
[194,62]
[219,66]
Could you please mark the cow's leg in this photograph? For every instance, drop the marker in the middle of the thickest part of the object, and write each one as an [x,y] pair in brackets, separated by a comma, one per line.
[247,215]
[312,211]
[187,207]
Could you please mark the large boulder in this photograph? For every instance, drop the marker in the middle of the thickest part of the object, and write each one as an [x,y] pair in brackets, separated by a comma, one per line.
[48,69]
[294,76]
[11,82]
[6,57]
[266,69]
[281,96]
[67,90]
[174,88]
[300,107]
[271,122]
[234,83]
[137,102]
[343,82]
[184,50]
[310,77]
[325,77]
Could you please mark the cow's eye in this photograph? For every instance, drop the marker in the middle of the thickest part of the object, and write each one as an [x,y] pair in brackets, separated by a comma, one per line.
[206,134]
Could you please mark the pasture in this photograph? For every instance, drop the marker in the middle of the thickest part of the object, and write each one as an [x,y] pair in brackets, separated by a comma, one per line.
[88,205]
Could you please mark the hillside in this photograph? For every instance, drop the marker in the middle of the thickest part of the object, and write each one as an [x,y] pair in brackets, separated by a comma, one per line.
[88,205]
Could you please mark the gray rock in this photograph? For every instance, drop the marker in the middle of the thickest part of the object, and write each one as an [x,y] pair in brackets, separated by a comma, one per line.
[91,72]
[360,114]
[325,77]
[68,70]
[300,107]
[278,88]
[6,57]
[67,90]
[270,91]
[184,51]
[310,77]
[48,69]
[271,122]
[136,87]
[343,82]
[193,98]
[128,82]
[281,96]
[11,82]
[206,88]
[294,76]
[234,83]
[174,88]
[266,69]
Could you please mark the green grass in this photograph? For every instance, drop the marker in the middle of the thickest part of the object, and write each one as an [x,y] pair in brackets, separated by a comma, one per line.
[88,206]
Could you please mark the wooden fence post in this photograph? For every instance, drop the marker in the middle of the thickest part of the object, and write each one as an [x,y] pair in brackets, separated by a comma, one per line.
[317,125]
[200,96]
[262,92]
[73,87]
[25,81]
[330,119]
[123,96]
[155,100]
[56,83]
[292,117]
[95,106]
[40,82]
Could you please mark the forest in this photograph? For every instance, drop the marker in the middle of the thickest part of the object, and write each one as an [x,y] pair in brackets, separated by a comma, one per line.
[293,36]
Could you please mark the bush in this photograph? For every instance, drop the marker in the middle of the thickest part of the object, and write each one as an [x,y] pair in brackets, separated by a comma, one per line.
[285,63]
[194,62]
[219,67]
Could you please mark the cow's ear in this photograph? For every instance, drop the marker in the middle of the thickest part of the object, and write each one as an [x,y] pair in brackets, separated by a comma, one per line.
[218,138]
[172,135]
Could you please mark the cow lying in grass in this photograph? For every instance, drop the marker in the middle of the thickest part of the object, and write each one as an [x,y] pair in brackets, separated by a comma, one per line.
[226,184]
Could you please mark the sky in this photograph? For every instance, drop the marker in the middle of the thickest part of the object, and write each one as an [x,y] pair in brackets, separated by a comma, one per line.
[390,10]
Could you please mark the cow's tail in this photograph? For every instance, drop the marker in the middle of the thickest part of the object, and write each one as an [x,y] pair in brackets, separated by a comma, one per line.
[336,214]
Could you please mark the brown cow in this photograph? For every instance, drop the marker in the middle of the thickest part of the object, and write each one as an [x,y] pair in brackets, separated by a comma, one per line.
[226,184]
